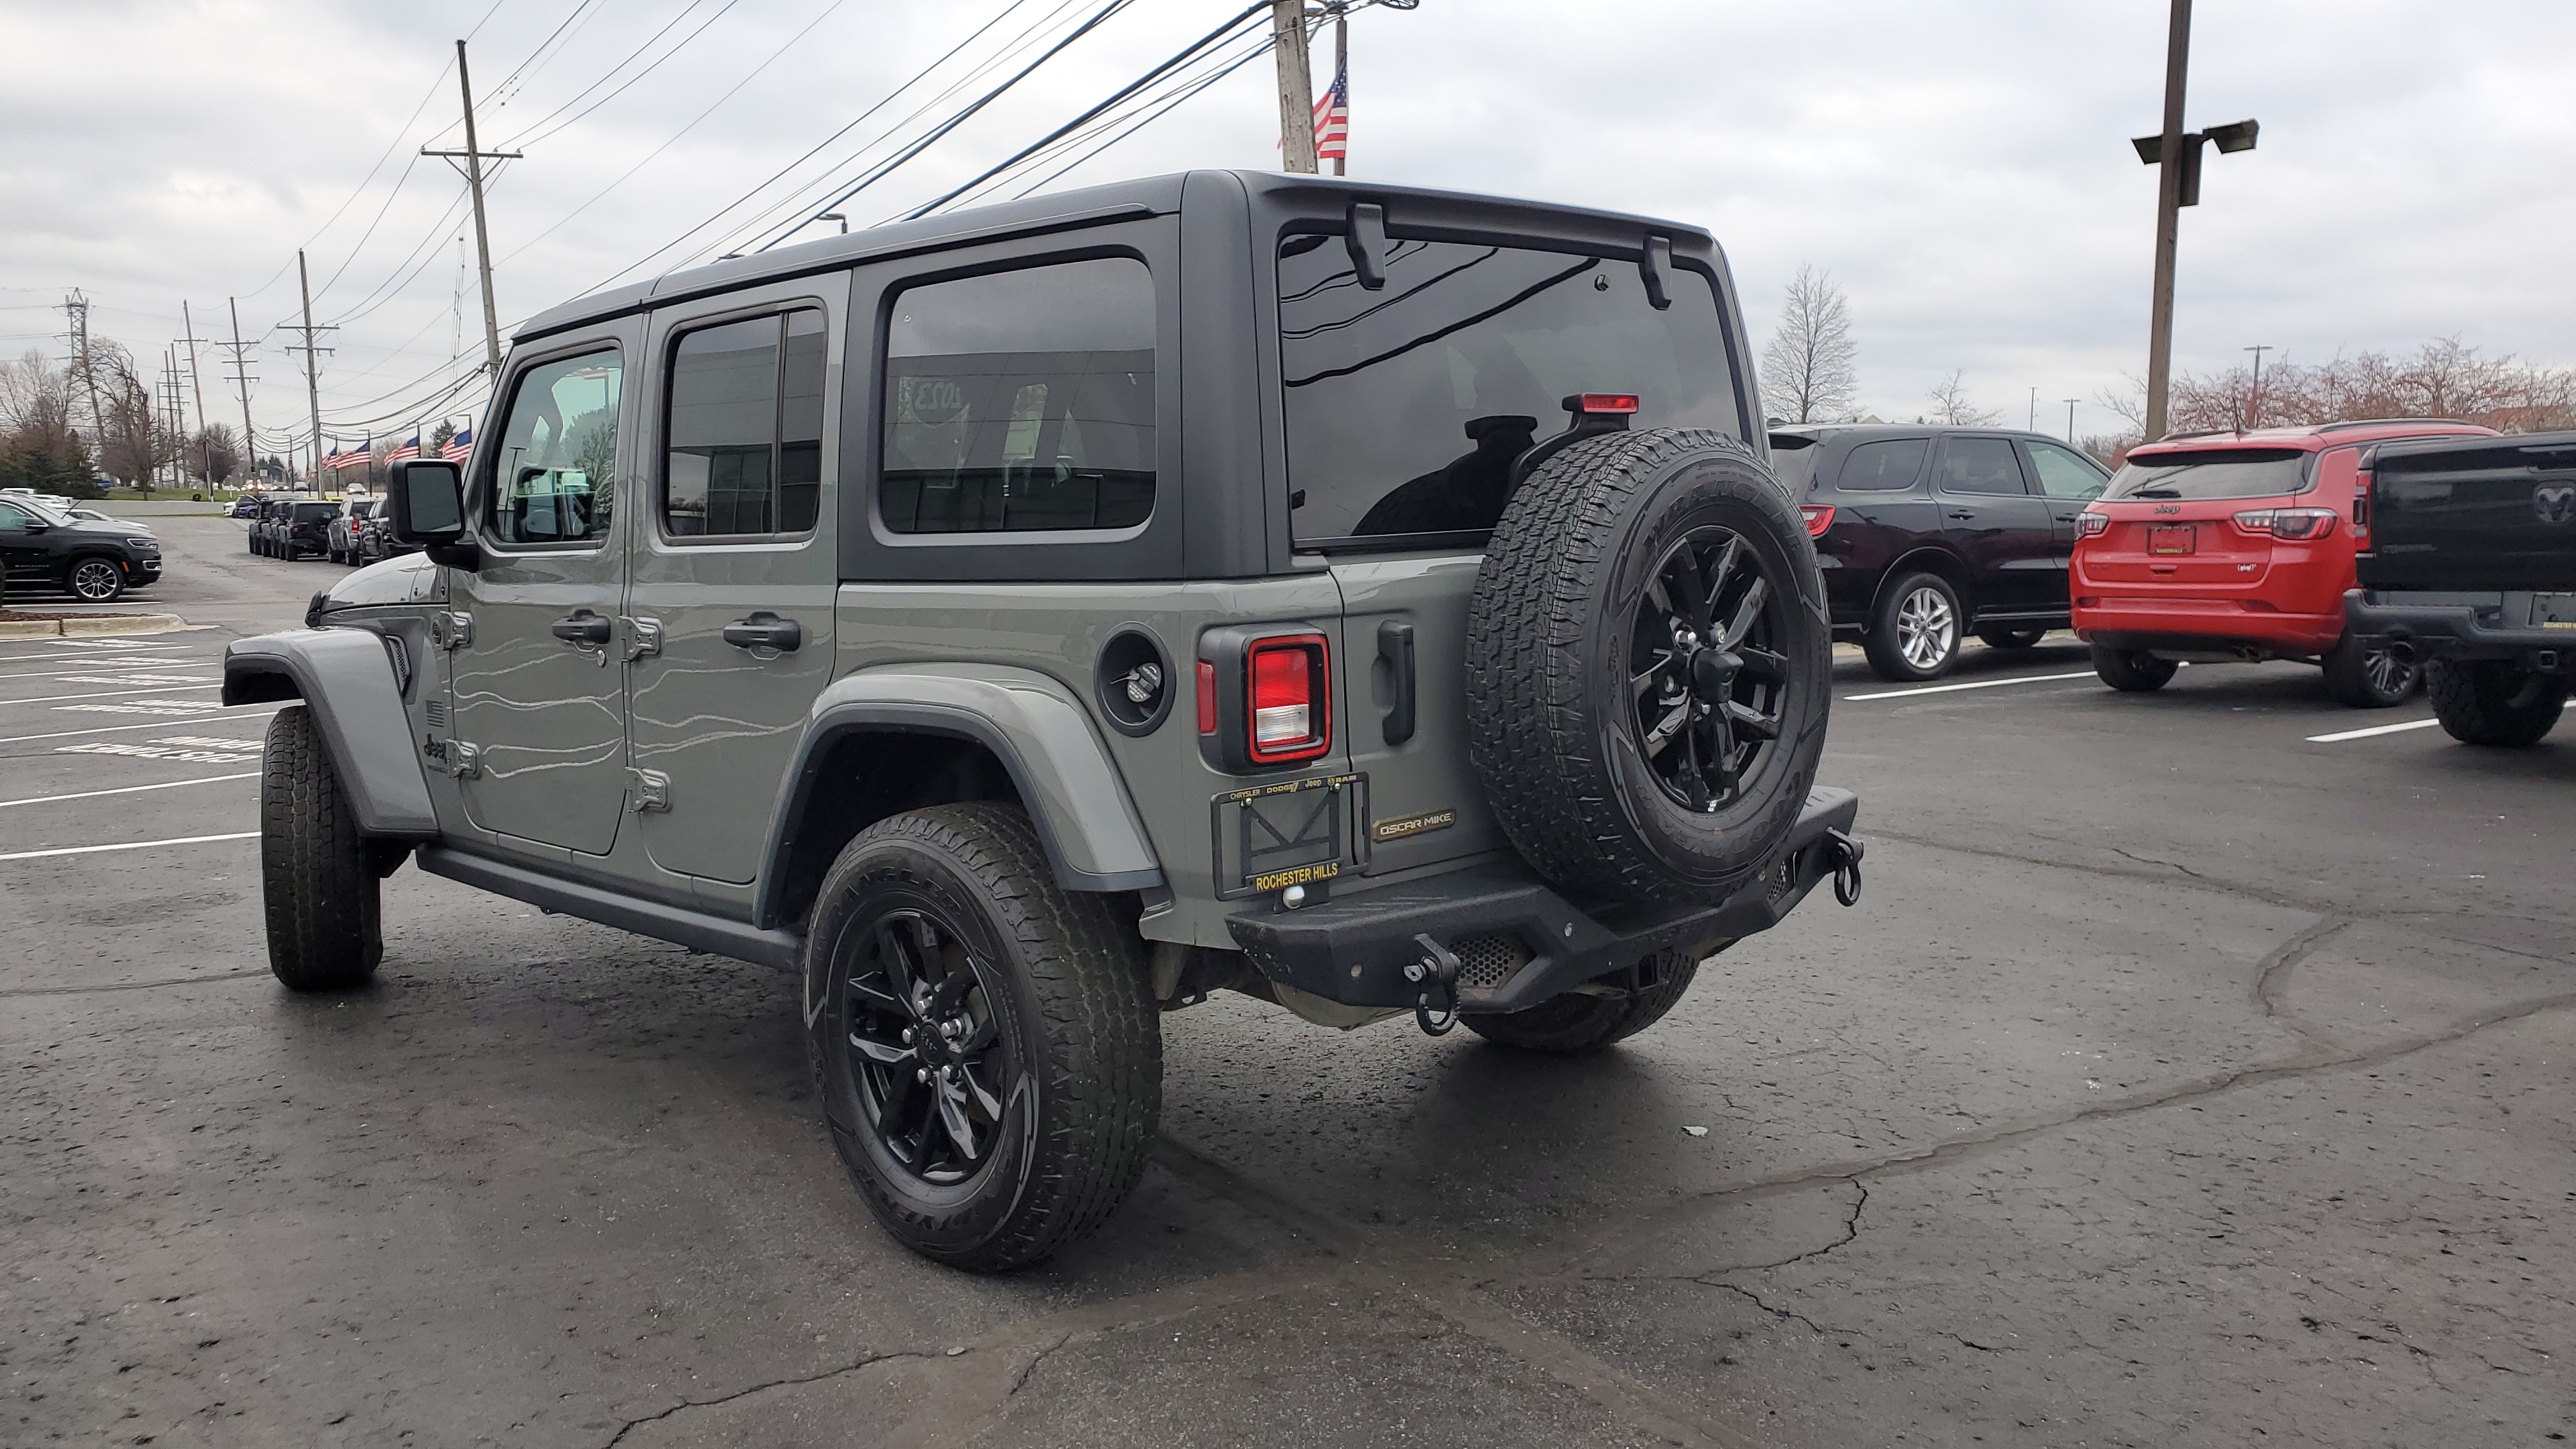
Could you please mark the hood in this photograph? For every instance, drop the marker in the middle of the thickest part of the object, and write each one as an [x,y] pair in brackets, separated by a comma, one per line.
[405,579]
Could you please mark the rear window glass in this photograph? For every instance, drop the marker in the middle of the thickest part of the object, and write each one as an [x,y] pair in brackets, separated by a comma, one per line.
[307,512]
[1407,405]
[1793,462]
[1884,467]
[2212,473]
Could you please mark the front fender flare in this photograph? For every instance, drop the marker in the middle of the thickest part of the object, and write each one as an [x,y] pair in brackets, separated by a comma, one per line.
[344,677]
[1032,724]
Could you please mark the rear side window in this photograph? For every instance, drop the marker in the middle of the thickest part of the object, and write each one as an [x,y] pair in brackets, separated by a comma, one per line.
[554,475]
[1980,465]
[745,455]
[1021,402]
[2064,474]
[1407,405]
[2212,473]
[1884,467]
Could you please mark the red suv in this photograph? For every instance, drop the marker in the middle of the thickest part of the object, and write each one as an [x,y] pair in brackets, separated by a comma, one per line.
[2235,546]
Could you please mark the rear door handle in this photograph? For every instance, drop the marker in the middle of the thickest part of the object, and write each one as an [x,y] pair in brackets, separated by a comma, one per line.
[584,629]
[764,630]
[1963,513]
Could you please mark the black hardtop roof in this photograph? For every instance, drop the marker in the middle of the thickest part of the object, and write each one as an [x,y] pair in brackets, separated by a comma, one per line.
[1819,431]
[1269,191]
[2545,450]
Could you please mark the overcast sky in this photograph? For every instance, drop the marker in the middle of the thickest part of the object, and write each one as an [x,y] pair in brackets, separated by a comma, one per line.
[1961,167]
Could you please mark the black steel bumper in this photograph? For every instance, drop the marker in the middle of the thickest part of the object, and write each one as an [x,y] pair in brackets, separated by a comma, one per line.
[2489,625]
[1520,941]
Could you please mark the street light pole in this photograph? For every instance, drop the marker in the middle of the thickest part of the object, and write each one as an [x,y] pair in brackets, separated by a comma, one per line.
[2070,422]
[2168,219]
[2254,401]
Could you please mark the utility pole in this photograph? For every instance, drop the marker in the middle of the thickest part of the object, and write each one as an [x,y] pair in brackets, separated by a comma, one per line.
[2033,425]
[2254,402]
[1341,66]
[1296,87]
[196,389]
[178,418]
[312,374]
[241,376]
[2168,219]
[2070,422]
[474,156]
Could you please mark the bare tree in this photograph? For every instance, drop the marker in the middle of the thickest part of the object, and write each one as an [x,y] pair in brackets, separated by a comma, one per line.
[218,453]
[2443,379]
[134,443]
[1807,371]
[1950,404]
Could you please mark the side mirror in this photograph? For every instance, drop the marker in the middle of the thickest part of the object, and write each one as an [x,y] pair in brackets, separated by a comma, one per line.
[424,503]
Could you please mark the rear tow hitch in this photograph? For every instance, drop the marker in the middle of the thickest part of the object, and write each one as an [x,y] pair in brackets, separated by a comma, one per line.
[1844,852]
[1435,1007]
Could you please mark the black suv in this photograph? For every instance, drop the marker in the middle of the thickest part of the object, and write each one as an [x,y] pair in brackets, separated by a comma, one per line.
[1928,533]
[93,562]
[292,528]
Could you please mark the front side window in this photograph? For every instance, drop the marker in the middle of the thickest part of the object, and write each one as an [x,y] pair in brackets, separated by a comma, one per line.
[1980,465]
[1021,402]
[2063,474]
[1406,405]
[554,479]
[12,519]
[745,451]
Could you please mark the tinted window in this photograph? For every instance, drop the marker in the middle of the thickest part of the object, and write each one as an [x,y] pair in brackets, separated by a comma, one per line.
[12,518]
[1884,467]
[2212,473]
[1407,405]
[554,479]
[1979,465]
[2063,473]
[745,449]
[309,512]
[1021,401]
[1793,462]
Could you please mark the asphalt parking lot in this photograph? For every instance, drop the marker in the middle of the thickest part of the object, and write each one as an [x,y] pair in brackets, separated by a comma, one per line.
[2193,1071]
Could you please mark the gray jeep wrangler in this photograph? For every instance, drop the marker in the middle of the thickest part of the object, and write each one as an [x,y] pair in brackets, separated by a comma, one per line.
[1027,621]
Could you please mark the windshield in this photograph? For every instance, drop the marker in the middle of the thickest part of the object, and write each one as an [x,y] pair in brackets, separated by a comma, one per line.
[1406,405]
[2212,473]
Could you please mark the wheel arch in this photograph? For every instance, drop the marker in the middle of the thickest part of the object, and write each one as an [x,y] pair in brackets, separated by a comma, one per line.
[1933,559]
[902,737]
[345,677]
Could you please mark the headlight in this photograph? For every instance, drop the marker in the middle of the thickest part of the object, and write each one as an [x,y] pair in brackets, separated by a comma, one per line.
[144,545]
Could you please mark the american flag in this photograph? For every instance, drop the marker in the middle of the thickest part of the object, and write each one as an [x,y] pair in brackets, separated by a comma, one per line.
[406,452]
[1333,119]
[459,447]
[357,457]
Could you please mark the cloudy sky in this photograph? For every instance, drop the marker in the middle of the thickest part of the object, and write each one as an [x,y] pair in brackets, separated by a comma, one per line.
[1961,167]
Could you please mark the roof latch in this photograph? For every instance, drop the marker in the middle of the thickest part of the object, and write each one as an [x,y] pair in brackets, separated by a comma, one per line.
[1367,241]
[1654,264]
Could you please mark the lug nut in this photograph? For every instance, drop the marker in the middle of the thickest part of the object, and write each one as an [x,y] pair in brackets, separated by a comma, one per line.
[907,1036]
[922,1075]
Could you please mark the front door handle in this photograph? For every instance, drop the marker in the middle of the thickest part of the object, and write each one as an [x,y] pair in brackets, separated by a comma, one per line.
[584,630]
[1963,513]
[764,630]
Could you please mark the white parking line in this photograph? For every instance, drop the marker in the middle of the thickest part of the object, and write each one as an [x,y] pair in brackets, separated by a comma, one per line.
[2395,729]
[92,668]
[130,789]
[1973,684]
[248,711]
[117,693]
[129,845]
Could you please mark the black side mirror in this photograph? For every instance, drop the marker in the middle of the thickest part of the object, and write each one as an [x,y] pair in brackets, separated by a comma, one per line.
[424,503]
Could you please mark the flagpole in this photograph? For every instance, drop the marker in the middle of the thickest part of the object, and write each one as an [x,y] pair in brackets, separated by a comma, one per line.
[1341,70]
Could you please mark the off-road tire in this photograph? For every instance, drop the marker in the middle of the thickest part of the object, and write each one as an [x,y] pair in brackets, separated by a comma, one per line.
[2489,702]
[1549,635]
[1884,644]
[1564,1025]
[2132,671]
[2003,638]
[2368,679]
[317,877]
[1078,1010]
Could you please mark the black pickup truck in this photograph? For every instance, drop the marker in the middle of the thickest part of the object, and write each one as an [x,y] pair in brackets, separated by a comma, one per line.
[2468,561]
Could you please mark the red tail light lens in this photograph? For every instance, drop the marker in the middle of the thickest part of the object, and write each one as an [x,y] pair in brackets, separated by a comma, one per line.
[1292,699]
[2093,525]
[2293,524]
[1819,516]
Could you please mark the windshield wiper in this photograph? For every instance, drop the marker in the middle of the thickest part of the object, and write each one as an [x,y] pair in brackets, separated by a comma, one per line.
[2154,493]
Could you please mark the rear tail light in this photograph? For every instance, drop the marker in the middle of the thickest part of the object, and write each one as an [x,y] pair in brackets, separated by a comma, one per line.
[1291,713]
[1819,516]
[2294,524]
[2093,525]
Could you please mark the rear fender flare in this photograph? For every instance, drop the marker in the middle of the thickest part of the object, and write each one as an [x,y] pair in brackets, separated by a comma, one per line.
[346,679]
[1035,726]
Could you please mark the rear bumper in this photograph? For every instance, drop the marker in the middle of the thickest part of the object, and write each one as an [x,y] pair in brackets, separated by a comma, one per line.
[2223,626]
[1521,941]
[2461,626]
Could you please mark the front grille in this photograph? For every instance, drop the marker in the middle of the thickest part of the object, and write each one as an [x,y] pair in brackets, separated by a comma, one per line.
[1488,961]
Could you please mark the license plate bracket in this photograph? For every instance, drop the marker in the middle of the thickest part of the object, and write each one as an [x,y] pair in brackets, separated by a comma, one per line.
[2173,538]
[2553,611]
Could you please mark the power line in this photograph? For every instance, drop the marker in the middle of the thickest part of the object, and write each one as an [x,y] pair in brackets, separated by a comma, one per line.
[1152,113]
[530,136]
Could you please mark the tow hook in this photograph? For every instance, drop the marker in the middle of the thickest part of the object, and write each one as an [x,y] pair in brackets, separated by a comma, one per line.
[1844,852]
[1437,974]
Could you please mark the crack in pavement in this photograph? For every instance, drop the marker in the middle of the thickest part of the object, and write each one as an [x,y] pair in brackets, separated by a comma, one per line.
[631,1425]
[132,985]
[1784,1314]
[1020,1380]
[2151,860]
[2273,974]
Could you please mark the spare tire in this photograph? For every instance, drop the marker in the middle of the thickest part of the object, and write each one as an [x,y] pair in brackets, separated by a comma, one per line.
[1648,658]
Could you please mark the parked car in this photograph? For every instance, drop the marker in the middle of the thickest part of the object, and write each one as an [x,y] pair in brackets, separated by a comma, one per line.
[93,562]
[1336,677]
[2237,546]
[376,540]
[340,539]
[290,528]
[1927,534]
[246,506]
[2468,563]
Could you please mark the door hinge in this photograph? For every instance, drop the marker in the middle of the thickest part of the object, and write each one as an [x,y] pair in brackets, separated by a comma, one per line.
[451,630]
[643,636]
[464,761]
[652,789]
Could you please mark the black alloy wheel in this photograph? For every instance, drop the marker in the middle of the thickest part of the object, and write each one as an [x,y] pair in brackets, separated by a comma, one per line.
[1706,682]
[939,1081]
[2367,676]
[95,580]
